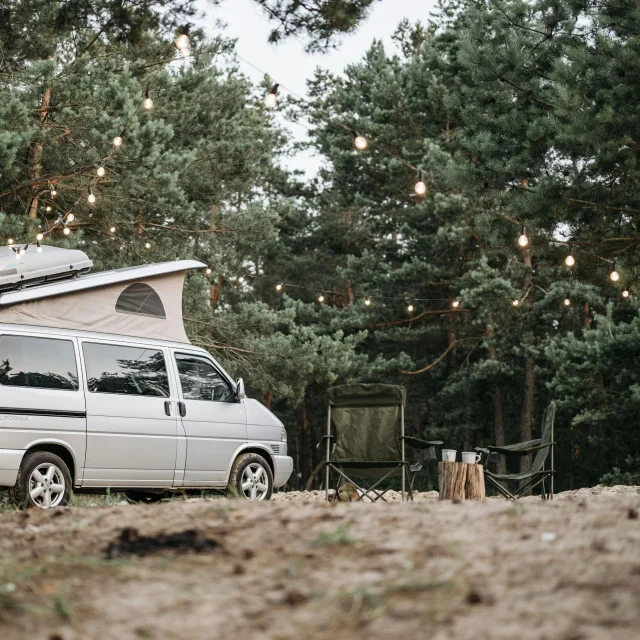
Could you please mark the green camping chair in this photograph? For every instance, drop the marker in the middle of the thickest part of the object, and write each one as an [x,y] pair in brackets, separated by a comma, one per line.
[365,440]
[538,474]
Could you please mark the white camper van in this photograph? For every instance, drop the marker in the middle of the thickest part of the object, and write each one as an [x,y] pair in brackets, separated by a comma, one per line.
[100,387]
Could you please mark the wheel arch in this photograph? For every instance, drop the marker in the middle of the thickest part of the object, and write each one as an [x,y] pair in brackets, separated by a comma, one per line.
[252,447]
[60,449]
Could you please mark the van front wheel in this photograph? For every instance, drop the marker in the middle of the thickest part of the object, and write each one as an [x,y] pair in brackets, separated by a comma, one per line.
[251,478]
[43,481]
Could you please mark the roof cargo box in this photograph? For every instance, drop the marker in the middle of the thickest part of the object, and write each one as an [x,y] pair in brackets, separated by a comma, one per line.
[34,267]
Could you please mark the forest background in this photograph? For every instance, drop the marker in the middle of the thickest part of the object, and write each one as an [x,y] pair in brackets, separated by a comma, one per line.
[518,119]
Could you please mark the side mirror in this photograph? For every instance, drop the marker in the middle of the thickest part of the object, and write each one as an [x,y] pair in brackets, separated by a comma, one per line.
[240,392]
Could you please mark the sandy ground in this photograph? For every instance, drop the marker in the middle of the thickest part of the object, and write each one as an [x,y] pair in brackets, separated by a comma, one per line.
[296,568]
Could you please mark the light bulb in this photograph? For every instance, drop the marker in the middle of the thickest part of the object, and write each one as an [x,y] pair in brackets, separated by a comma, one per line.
[117,141]
[367,302]
[147,245]
[567,302]
[279,287]
[410,308]
[39,237]
[320,298]
[100,171]
[455,304]
[10,241]
[240,280]
[22,251]
[270,100]
[615,276]
[47,208]
[523,241]
[70,217]
[147,103]
[66,231]
[360,142]
[625,294]
[91,198]
[208,271]
[420,188]
[515,302]
[39,247]
[182,42]
[570,260]
[112,230]
[53,193]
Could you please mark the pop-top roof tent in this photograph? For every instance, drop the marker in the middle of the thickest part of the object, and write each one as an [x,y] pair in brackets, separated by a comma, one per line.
[53,288]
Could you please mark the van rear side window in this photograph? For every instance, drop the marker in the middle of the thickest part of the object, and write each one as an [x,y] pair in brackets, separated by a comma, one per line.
[132,371]
[44,363]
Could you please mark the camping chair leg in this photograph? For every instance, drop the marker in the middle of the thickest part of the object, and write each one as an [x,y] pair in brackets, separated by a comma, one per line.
[505,492]
[529,485]
[328,454]
[403,451]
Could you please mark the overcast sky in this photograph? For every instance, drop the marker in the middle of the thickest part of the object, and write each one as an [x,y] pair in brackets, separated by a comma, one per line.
[287,62]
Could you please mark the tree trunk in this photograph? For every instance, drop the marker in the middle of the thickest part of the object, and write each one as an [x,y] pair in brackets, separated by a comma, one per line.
[36,156]
[214,292]
[586,319]
[526,416]
[498,426]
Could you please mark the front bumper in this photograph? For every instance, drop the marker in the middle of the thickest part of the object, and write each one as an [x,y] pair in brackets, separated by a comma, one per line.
[10,460]
[282,468]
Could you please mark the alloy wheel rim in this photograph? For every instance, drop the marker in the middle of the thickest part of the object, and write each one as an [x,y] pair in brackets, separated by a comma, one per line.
[255,482]
[46,486]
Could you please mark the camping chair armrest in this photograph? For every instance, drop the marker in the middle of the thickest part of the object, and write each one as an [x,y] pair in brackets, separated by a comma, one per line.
[417,443]
[488,455]
[327,437]
[520,449]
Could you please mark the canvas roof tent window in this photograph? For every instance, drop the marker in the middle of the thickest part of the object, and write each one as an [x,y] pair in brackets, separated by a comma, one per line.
[143,301]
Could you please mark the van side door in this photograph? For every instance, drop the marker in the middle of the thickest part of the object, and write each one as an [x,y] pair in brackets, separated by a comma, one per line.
[214,422]
[131,418]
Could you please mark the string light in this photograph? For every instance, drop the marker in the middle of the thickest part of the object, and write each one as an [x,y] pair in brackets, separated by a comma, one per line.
[271,97]
[320,298]
[240,280]
[40,236]
[100,171]
[410,308]
[66,231]
[367,302]
[10,241]
[38,246]
[91,198]
[625,293]
[420,188]
[523,240]
[47,208]
[360,142]
[566,302]
[70,217]
[182,43]
[147,245]
[614,275]
[455,304]
[515,302]
[117,141]
[53,192]
[570,260]
[279,287]
[208,271]
[147,103]
[112,230]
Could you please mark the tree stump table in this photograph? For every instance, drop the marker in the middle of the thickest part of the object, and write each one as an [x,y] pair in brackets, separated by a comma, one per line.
[459,481]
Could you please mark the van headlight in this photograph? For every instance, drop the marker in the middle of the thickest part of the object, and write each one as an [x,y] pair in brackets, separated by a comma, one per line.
[283,435]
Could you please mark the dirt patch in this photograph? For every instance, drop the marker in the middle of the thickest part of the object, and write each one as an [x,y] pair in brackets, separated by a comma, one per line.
[131,543]
[293,568]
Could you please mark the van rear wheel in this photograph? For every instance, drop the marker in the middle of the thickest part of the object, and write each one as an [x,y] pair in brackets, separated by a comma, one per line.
[44,481]
[250,478]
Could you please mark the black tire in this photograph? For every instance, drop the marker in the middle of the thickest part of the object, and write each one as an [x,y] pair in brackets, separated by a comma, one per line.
[20,493]
[242,462]
[144,497]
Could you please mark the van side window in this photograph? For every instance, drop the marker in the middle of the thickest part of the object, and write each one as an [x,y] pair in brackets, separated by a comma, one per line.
[201,381]
[45,363]
[132,371]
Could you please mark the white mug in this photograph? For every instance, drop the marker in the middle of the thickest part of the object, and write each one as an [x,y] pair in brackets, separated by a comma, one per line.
[449,455]
[470,457]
